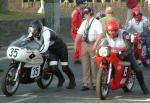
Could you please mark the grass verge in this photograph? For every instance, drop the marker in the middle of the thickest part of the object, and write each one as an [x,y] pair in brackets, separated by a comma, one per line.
[13,15]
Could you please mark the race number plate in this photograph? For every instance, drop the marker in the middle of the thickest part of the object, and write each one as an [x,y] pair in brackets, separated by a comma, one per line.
[35,71]
[13,52]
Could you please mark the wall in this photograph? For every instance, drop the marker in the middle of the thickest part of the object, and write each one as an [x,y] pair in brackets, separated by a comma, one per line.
[12,29]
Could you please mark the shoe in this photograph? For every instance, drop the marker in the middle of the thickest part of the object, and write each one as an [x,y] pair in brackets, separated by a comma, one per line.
[145,89]
[71,86]
[77,62]
[60,83]
[84,88]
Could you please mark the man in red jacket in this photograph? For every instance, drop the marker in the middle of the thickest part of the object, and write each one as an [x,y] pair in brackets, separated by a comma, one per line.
[76,21]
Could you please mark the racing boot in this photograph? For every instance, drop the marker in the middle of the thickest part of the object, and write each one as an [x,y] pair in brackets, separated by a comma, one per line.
[60,77]
[140,79]
[69,73]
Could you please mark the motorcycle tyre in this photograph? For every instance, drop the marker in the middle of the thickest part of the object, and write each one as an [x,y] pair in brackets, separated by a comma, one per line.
[42,85]
[4,82]
[99,87]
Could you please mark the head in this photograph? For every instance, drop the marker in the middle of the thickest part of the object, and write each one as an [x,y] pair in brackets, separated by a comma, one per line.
[88,12]
[109,10]
[112,28]
[36,27]
[100,15]
[136,14]
[80,3]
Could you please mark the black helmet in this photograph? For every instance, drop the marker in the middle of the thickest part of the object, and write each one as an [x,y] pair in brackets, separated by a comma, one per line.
[89,10]
[36,26]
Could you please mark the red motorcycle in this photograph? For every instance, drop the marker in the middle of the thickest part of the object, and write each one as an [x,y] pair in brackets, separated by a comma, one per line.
[140,48]
[113,72]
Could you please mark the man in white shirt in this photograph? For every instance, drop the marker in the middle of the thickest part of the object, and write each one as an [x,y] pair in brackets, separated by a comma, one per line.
[57,50]
[91,33]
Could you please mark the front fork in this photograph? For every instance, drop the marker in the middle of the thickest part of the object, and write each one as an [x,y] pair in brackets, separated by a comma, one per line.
[109,73]
[18,70]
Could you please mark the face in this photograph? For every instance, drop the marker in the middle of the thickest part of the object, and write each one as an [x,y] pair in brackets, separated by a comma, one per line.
[34,32]
[112,33]
[138,17]
[82,6]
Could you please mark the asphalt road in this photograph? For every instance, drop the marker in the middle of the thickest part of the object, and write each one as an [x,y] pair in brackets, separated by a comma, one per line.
[30,93]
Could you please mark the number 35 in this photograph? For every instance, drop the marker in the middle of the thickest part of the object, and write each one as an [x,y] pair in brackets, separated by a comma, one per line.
[14,52]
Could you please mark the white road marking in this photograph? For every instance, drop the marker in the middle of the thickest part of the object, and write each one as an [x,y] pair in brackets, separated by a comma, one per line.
[116,97]
[22,95]
[136,100]
[24,99]
[84,98]
[25,95]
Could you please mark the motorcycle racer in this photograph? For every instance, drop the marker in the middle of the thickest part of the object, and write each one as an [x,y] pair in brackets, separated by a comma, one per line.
[116,37]
[135,25]
[57,50]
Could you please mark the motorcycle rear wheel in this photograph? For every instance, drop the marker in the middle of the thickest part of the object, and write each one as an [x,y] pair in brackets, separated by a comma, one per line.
[45,80]
[102,88]
[130,84]
[9,86]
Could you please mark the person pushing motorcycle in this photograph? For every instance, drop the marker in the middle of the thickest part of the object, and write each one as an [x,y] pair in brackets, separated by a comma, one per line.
[118,38]
[57,50]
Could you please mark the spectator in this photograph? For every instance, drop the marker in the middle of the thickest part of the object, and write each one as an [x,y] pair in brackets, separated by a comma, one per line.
[91,32]
[148,1]
[108,15]
[75,24]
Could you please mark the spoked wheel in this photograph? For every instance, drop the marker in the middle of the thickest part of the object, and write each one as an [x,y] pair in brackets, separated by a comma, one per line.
[102,88]
[45,80]
[130,83]
[9,85]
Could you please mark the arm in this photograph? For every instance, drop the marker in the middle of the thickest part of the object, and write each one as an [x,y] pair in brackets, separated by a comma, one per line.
[46,38]
[128,26]
[99,36]
[98,39]
[129,45]
[78,37]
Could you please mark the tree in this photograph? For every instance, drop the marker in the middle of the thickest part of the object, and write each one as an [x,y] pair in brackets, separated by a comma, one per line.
[3,5]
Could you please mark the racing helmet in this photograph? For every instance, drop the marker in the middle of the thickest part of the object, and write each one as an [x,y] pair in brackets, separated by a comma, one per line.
[136,13]
[112,25]
[36,26]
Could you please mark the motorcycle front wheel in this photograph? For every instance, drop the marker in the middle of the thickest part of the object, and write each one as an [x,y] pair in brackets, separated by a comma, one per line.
[9,85]
[45,80]
[102,88]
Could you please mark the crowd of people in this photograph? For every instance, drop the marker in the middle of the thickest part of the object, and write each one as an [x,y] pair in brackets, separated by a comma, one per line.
[87,31]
